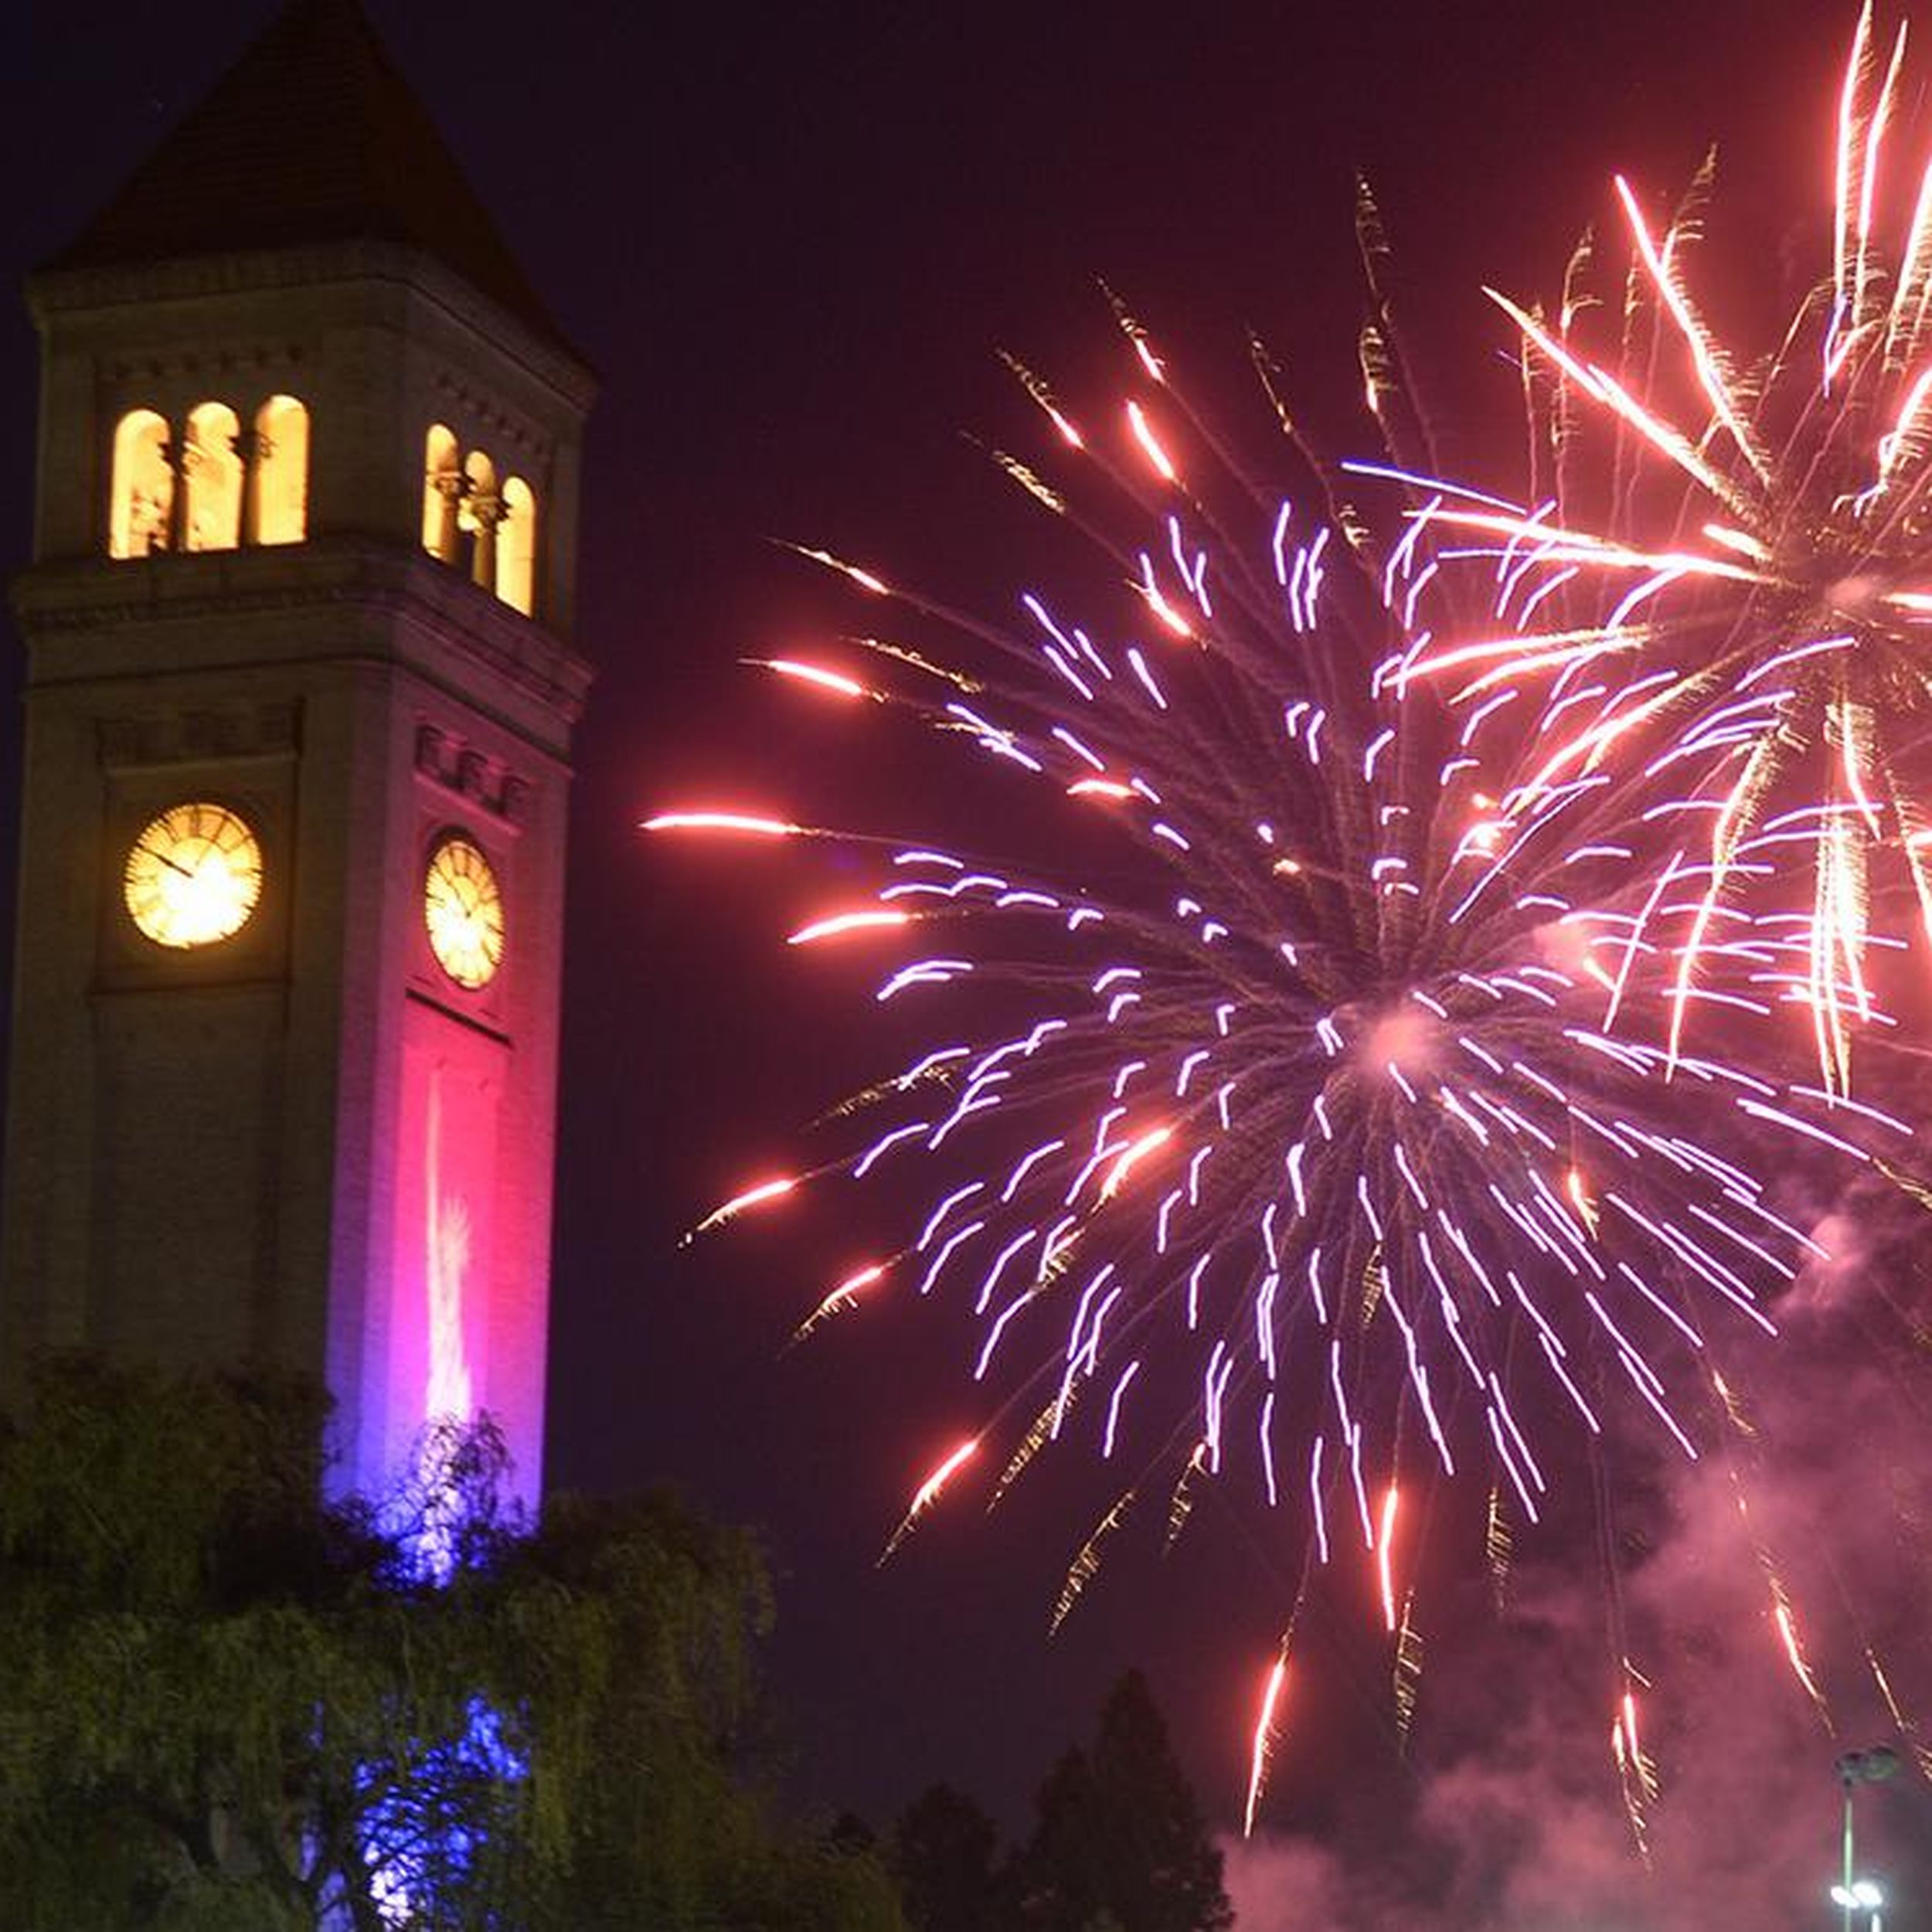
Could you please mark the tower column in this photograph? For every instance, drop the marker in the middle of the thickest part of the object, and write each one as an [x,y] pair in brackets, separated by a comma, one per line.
[250,446]
[485,509]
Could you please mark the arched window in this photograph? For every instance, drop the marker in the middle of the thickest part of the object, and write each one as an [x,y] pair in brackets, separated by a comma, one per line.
[442,489]
[212,470]
[279,510]
[516,548]
[482,510]
[143,494]
[467,516]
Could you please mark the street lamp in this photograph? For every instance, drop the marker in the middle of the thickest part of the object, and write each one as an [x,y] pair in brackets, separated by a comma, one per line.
[1854,1768]
[1864,1895]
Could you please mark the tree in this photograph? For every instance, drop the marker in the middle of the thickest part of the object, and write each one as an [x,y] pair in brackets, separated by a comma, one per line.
[1118,1838]
[943,1850]
[1062,1873]
[229,1701]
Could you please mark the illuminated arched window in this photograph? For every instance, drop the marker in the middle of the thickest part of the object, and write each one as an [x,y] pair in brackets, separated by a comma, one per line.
[442,489]
[212,470]
[516,548]
[480,511]
[143,494]
[280,506]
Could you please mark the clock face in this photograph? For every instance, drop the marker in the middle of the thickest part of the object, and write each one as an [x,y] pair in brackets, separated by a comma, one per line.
[463,907]
[193,876]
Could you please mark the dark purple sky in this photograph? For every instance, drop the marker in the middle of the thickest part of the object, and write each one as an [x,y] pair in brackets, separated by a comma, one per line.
[790,239]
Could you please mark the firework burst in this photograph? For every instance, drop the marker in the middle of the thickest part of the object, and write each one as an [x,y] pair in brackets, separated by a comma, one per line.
[1272,1127]
[1721,578]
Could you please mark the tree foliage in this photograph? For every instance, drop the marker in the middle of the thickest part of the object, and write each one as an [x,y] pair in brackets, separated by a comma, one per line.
[944,1854]
[1118,1840]
[1118,1844]
[230,1701]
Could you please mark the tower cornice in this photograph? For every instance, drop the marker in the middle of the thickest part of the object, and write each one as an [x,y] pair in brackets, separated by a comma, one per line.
[60,295]
[90,619]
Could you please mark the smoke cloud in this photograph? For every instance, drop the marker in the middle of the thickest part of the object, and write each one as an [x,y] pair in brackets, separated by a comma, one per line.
[1767,1606]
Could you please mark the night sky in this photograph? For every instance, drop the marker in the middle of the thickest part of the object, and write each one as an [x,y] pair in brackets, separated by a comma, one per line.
[790,241]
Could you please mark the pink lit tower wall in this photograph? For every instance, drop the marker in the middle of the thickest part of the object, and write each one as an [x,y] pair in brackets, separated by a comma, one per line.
[299,700]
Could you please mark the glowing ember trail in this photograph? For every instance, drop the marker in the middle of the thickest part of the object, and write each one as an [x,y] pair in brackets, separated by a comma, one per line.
[837,924]
[752,1197]
[1385,1558]
[1135,1151]
[1637,1777]
[1263,1743]
[930,1491]
[1795,1652]
[843,1297]
[1144,435]
[852,572]
[722,821]
[815,675]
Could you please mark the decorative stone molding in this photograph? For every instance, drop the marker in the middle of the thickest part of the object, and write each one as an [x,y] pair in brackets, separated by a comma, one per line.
[195,736]
[458,768]
[486,417]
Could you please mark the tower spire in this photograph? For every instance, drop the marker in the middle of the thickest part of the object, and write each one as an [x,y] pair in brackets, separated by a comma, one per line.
[312,136]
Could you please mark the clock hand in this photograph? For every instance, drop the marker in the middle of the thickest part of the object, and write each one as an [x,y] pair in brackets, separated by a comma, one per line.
[153,851]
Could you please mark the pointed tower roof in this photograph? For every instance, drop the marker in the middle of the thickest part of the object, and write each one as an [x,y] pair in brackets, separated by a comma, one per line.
[312,136]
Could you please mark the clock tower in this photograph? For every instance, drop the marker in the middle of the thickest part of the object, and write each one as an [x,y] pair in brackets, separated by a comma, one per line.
[299,692]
